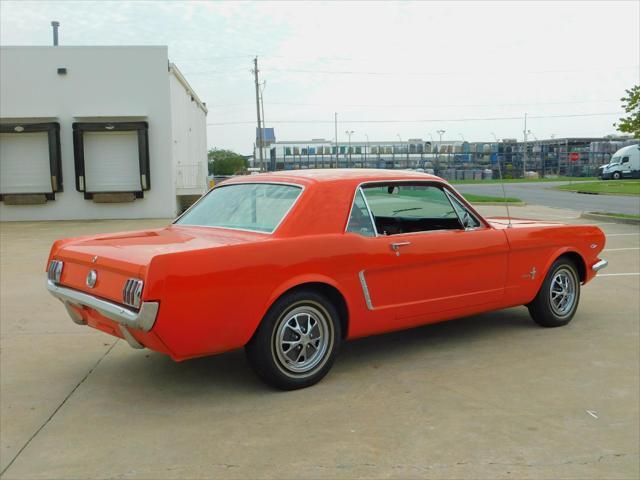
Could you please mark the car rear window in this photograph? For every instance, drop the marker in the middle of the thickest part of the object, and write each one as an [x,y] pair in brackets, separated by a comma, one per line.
[258,207]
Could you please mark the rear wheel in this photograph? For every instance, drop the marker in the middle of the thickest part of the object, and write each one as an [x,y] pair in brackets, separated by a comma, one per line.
[557,301]
[297,341]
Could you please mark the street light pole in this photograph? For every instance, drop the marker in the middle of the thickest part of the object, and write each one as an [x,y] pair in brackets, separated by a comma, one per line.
[365,151]
[349,133]
[440,133]
[524,155]
[336,128]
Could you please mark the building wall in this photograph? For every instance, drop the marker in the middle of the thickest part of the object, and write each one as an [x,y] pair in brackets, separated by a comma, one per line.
[189,139]
[101,84]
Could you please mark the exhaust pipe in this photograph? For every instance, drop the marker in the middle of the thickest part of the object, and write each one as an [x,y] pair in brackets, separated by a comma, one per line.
[55,24]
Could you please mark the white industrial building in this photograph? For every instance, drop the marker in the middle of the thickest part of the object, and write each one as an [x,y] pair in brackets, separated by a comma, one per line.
[97,132]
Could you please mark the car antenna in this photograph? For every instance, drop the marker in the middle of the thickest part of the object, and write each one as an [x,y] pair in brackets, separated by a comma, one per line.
[504,194]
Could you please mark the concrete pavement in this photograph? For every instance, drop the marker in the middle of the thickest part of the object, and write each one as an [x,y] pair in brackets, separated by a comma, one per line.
[490,396]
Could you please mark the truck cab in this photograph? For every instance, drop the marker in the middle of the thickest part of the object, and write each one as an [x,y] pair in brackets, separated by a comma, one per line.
[625,163]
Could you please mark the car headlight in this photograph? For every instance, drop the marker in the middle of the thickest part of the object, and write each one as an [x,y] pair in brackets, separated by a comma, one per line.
[54,272]
[132,292]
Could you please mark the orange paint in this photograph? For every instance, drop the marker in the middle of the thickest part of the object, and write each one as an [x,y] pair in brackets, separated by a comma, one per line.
[214,285]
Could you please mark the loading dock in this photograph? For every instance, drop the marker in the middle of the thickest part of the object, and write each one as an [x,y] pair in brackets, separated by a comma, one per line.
[30,164]
[112,157]
[122,123]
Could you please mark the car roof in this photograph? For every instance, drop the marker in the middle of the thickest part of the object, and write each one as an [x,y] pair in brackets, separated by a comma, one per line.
[351,175]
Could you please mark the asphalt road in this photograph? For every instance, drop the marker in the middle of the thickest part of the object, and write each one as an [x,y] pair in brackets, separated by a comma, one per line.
[537,193]
[489,396]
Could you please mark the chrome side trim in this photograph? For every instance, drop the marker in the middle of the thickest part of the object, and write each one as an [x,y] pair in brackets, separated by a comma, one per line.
[365,290]
[142,320]
[600,265]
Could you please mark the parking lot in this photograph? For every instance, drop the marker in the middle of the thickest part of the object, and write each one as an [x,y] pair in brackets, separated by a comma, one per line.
[490,396]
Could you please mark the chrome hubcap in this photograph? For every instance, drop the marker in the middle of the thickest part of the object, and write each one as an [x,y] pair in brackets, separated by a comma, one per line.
[302,339]
[563,292]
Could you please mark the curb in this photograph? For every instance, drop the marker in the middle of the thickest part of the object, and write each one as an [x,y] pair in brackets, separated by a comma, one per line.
[611,218]
[498,204]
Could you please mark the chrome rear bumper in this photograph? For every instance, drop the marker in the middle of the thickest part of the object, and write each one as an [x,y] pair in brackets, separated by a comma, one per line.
[599,265]
[144,319]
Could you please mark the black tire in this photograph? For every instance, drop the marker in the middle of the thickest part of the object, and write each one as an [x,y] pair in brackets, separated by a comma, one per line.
[548,310]
[616,175]
[302,324]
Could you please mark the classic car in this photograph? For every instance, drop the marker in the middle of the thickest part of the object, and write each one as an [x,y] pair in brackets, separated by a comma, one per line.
[288,265]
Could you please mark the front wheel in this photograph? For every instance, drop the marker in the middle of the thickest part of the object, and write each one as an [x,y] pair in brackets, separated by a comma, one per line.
[617,175]
[297,341]
[557,301]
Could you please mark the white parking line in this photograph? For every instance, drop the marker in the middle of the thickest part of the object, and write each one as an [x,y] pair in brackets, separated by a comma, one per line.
[633,274]
[619,234]
[620,249]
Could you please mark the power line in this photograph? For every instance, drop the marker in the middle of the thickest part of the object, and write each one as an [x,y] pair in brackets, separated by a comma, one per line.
[372,105]
[462,72]
[479,119]
[419,74]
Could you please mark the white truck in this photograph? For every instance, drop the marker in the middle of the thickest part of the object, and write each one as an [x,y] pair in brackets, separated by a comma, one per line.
[625,163]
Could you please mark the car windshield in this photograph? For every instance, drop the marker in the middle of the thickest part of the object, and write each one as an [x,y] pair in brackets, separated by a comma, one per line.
[615,160]
[258,207]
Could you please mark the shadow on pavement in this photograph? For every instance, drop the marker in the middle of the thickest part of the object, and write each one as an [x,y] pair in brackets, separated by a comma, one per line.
[231,373]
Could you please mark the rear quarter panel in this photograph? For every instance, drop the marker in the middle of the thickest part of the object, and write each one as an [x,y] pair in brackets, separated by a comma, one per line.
[212,300]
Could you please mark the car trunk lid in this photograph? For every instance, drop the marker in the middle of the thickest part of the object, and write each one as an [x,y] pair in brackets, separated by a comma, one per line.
[117,257]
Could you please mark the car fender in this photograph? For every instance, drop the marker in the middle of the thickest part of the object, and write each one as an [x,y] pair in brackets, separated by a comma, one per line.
[557,254]
[301,280]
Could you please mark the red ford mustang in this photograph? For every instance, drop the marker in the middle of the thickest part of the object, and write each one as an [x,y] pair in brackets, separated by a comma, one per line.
[289,265]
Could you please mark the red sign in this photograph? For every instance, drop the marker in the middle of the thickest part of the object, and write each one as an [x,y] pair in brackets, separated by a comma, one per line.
[574,156]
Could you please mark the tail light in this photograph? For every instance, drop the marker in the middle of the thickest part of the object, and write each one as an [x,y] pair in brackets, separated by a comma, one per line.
[132,292]
[54,272]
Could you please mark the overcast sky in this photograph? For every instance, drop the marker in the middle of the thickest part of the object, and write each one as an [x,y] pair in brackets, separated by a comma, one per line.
[388,69]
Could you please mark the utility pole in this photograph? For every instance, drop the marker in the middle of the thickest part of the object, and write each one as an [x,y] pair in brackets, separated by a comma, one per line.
[335,117]
[259,137]
[524,155]
[264,122]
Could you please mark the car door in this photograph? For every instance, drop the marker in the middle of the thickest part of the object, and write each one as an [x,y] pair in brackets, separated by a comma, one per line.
[425,261]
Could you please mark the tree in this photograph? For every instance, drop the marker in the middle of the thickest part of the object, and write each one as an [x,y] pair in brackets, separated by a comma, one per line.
[226,162]
[631,105]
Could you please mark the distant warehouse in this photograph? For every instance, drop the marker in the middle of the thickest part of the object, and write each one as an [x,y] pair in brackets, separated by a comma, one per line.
[97,132]
[451,159]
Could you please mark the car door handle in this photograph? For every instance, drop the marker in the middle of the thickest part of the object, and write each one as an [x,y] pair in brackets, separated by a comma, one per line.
[395,246]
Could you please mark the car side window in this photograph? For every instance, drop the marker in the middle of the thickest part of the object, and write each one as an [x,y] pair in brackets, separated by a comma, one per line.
[410,207]
[467,218]
[625,159]
[360,220]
